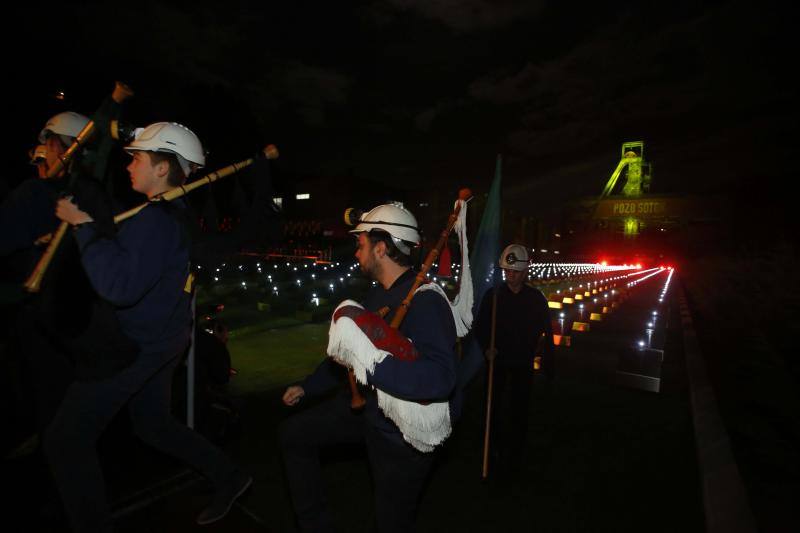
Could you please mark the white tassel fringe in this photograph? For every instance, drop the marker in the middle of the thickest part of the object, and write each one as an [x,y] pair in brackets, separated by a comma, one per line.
[422,426]
[461,307]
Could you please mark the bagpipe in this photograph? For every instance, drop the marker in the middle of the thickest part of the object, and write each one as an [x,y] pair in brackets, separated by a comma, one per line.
[103,127]
[62,308]
[360,339]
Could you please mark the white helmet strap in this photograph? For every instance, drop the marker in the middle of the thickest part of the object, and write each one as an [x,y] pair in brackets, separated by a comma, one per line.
[376,222]
[185,165]
[401,245]
[66,140]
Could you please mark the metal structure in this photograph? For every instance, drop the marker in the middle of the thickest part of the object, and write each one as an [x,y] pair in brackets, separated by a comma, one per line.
[638,173]
[636,183]
[627,219]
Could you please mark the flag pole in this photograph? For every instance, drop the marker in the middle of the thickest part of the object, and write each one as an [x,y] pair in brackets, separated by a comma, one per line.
[490,355]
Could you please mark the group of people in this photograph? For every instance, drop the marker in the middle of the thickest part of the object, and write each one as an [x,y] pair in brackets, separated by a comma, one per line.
[142,269]
[420,365]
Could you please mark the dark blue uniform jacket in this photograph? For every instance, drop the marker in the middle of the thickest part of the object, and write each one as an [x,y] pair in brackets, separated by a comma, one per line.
[28,213]
[143,272]
[432,377]
[522,318]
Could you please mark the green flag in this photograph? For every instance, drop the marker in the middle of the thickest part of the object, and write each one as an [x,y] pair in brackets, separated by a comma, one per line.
[486,247]
[483,261]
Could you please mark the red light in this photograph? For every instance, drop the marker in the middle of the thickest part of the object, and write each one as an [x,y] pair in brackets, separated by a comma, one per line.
[638,266]
[604,263]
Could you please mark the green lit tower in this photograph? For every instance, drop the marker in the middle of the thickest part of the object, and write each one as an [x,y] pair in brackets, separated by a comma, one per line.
[629,220]
[637,172]
[636,183]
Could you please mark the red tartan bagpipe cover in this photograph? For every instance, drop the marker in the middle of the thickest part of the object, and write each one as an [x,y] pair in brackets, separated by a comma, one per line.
[360,340]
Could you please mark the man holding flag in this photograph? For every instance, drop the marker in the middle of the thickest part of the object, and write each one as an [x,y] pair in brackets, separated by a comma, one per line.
[482,262]
[478,344]
[512,320]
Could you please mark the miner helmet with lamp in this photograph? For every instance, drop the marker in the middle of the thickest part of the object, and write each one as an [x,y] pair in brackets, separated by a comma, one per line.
[170,138]
[396,223]
[514,257]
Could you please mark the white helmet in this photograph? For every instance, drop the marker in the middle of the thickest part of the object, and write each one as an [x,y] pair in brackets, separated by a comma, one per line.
[66,124]
[394,220]
[514,257]
[173,138]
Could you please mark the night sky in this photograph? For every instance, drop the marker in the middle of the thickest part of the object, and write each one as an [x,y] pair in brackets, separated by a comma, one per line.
[416,92]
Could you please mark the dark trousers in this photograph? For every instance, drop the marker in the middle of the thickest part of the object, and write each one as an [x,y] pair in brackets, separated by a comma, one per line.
[88,408]
[45,372]
[510,406]
[398,470]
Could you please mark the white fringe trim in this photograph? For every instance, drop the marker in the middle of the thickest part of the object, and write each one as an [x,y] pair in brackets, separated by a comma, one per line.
[461,307]
[422,426]
[348,345]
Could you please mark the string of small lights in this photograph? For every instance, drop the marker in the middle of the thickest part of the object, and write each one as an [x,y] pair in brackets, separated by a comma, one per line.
[654,314]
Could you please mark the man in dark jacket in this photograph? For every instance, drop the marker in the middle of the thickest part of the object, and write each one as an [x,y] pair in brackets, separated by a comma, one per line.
[423,370]
[522,324]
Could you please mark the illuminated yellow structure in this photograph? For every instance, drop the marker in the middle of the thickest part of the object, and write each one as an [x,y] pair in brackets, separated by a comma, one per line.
[638,172]
[628,220]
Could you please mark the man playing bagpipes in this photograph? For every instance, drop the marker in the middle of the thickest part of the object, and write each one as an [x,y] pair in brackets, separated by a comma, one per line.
[41,371]
[71,159]
[28,210]
[142,271]
[409,373]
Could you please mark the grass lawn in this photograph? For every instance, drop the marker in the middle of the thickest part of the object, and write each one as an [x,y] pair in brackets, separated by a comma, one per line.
[275,357]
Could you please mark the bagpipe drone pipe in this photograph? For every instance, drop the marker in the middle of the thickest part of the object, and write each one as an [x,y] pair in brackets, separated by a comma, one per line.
[84,324]
[259,219]
[64,306]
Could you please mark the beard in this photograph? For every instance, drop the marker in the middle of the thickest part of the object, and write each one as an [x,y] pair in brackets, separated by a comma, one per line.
[370,268]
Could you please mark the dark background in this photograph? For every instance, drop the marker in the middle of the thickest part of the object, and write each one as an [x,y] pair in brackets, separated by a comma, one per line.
[417,93]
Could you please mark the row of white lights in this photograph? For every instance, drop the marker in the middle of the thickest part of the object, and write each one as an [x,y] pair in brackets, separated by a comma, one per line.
[552,270]
[651,325]
[649,274]
[241,268]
